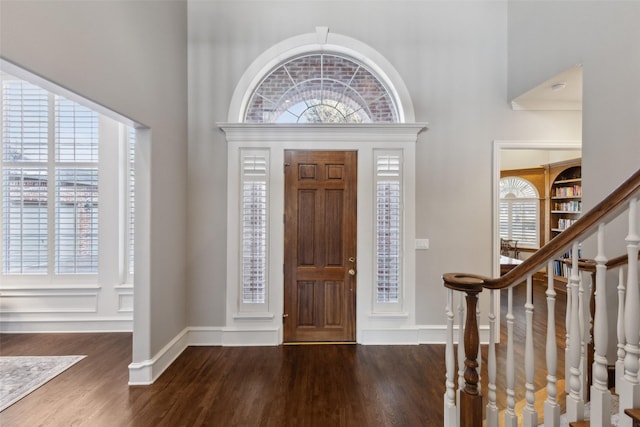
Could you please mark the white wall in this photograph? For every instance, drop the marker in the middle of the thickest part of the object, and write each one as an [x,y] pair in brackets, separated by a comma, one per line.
[603,36]
[453,58]
[129,56]
[518,159]
[547,37]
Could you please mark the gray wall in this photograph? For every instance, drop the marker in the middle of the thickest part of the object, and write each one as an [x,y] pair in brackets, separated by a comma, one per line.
[129,56]
[461,61]
[453,58]
[548,37]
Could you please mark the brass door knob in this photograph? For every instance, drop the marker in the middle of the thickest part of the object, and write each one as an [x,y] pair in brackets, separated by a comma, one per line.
[352,272]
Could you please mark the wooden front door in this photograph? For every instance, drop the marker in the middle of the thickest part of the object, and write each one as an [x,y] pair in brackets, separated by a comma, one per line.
[320,246]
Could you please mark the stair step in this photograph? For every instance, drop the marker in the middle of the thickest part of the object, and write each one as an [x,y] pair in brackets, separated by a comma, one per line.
[580,424]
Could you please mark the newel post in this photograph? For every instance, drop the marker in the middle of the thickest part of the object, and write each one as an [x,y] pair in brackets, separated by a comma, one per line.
[470,403]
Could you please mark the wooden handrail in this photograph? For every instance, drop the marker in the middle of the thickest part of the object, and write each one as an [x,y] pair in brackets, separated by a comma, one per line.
[606,209]
[470,404]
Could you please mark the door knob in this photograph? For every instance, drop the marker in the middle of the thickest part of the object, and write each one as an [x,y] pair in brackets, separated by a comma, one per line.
[352,259]
[352,272]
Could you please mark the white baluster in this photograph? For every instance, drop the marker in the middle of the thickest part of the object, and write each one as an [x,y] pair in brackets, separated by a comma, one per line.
[630,387]
[567,344]
[529,413]
[492,408]
[583,308]
[620,328]
[510,418]
[450,412]
[600,394]
[479,368]
[462,307]
[551,407]
[575,404]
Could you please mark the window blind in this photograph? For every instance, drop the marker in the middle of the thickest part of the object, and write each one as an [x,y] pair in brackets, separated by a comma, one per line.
[49,153]
[519,215]
[254,228]
[388,214]
[131,200]
[25,215]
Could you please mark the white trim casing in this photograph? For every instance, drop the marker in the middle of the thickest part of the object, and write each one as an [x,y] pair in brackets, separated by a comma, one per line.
[147,371]
[361,138]
[321,41]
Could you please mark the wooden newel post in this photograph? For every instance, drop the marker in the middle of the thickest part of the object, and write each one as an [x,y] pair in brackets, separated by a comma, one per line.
[470,404]
[471,398]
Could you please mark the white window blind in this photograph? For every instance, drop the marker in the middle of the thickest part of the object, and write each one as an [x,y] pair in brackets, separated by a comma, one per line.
[25,142]
[254,227]
[49,153]
[519,212]
[131,200]
[388,227]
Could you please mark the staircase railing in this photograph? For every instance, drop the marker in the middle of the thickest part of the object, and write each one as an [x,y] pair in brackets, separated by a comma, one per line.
[464,404]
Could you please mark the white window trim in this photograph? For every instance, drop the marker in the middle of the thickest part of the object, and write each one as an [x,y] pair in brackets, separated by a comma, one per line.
[110,268]
[362,138]
[321,41]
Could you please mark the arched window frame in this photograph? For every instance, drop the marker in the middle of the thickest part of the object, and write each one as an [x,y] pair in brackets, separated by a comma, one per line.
[321,87]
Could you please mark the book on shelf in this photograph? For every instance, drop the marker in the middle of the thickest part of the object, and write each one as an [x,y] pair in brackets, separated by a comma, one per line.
[562,269]
[568,191]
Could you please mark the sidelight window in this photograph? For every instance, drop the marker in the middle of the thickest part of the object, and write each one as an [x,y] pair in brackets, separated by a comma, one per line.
[388,231]
[255,166]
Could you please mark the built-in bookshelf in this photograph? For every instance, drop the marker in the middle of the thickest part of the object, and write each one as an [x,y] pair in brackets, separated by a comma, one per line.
[566,199]
[565,203]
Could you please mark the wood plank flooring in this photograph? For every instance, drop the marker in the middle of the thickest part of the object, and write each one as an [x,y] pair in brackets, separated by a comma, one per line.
[313,385]
[320,385]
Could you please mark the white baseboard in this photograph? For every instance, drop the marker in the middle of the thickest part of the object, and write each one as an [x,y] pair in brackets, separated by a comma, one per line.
[421,334]
[66,325]
[147,371]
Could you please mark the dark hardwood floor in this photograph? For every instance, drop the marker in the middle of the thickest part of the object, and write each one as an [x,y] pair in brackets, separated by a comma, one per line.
[312,385]
[319,385]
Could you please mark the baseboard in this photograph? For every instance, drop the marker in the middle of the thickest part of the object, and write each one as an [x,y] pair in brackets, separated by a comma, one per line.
[66,325]
[147,371]
[421,334]
[437,334]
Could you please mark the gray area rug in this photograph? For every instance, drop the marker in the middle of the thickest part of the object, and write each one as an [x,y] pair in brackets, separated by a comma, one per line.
[20,375]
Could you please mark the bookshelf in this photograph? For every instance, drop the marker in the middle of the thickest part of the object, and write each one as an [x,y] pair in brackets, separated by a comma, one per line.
[564,203]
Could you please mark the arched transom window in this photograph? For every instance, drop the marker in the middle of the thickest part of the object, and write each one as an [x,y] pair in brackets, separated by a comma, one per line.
[321,88]
[519,214]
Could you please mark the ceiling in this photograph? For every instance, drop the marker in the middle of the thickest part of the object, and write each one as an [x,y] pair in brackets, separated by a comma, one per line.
[561,92]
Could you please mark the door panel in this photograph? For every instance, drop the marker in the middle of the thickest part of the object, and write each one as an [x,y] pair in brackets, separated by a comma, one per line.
[320,245]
